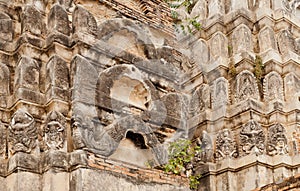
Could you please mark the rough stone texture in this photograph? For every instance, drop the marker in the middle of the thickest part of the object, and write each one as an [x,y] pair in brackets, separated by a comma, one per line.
[83,83]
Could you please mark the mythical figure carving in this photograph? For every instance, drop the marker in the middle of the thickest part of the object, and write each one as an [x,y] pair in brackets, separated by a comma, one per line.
[286,42]
[267,39]
[273,87]
[225,145]
[206,145]
[252,138]
[200,99]
[242,40]
[220,95]
[277,141]
[246,86]
[217,44]
[22,133]
[54,131]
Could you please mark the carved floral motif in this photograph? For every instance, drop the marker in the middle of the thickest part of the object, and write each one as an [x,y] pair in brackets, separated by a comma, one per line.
[252,138]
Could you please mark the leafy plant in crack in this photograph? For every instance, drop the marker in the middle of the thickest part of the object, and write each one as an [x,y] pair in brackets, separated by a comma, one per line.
[186,25]
[181,157]
[259,72]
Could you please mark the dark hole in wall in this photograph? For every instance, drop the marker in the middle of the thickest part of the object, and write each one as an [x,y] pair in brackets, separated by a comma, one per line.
[137,139]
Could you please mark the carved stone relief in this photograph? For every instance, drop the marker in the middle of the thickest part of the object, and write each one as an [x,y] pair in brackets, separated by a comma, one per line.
[273,87]
[57,79]
[32,21]
[242,40]
[277,140]
[252,138]
[206,144]
[6,28]
[58,20]
[200,100]
[235,4]
[246,86]
[27,74]
[286,42]
[216,7]
[220,95]
[54,131]
[291,85]
[267,39]
[200,52]
[199,10]
[84,21]
[4,80]
[218,45]
[225,145]
[3,140]
[22,133]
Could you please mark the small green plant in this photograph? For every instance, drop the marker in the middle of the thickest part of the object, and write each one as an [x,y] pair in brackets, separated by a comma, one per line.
[181,158]
[258,68]
[194,181]
[232,70]
[185,25]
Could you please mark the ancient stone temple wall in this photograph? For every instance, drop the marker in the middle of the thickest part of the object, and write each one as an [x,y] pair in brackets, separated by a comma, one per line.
[93,92]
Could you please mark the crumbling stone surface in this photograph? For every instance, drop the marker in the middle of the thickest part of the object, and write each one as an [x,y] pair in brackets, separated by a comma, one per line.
[92,92]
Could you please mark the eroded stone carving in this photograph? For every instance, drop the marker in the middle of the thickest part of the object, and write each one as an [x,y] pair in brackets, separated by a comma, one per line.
[58,20]
[3,140]
[27,74]
[246,86]
[84,21]
[199,10]
[252,138]
[218,44]
[216,7]
[273,87]
[200,99]
[286,42]
[6,27]
[267,39]
[235,4]
[291,85]
[242,40]
[57,79]
[200,52]
[4,80]
[54,131]
[206,145]
[225,145]
[22,133]
[277,140]
[32,21]
[220,95]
